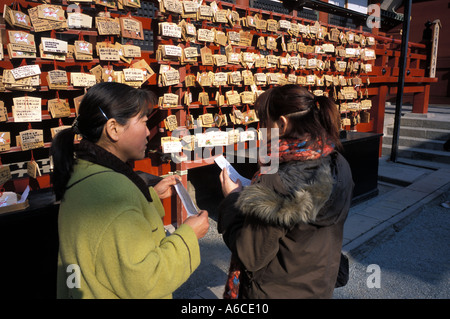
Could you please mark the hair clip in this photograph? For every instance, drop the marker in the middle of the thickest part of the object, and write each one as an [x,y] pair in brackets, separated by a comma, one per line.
[103,113]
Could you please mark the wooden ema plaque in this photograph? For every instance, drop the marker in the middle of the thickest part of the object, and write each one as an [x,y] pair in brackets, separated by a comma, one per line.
[131,28]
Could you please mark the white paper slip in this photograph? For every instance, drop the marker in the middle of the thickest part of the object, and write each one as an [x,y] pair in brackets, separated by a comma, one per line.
[186,199]
[24,195]
[234,175]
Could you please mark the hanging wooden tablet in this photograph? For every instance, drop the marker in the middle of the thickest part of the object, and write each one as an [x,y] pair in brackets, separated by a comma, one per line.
[233,97]
[189,9]
[57,80]
[56,130]
[170,144]
[188,31]
[234,37]
[171,122]
[3,112]
[145,67]
[370,41]
[131,51]
[79,20]
[17,54]
[82,79]
[220,60]
[206,56]
[21,41]
[189,121]
[284,25]
[205,35]
[58,108]
[31,139]
[191,53]
[203,98]
[189,80]
[133,75]
[84,50]
[204,12]
[246,38]
[33,169]
[220,38]
[107,26]
[27,109]
[132,28]
[247,97]
[106,3]
[272,25]
[5,142]
[333,35]
[272,61]
[366,104]
[108,54]
[51,45]
[132,3]
[16,18]
[41,25]
[51,12]
[292,79]
[169,29]
[170,77]
[368,54]
[294,30]
[220,16]
[233,18]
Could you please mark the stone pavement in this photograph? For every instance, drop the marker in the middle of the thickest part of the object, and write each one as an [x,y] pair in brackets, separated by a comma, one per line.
[412,188]
[404,190]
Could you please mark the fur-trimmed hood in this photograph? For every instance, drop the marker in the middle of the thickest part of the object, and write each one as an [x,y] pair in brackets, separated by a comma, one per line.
[295,194]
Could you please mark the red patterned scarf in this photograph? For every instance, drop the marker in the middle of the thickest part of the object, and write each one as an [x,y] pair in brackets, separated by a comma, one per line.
[293,149]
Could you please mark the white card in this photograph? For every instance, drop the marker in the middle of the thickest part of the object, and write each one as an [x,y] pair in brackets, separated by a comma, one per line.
[234,175]
[186,199]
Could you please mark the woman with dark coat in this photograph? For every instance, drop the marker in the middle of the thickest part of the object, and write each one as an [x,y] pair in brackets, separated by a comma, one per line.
[285,230]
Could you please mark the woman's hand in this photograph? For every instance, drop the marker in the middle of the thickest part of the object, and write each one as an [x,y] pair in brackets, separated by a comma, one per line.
[228,186]
[164,188]
[199,223]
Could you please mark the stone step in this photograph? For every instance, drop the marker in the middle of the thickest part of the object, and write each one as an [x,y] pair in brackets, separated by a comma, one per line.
[425,123]
[421,132]
[412,120]
[413,163]
[433,110]
[416,142]
[419,154]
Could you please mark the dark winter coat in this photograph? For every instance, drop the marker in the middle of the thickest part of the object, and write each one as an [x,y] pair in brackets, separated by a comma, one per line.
[287,228]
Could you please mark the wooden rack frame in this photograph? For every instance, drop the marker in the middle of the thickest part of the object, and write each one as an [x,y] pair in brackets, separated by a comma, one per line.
[383,82]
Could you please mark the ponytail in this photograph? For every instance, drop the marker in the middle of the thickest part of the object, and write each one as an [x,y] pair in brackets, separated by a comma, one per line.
[62,152]
[329,118]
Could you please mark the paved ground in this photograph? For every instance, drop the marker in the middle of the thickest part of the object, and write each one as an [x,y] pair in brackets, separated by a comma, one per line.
[414,262]
[368,223]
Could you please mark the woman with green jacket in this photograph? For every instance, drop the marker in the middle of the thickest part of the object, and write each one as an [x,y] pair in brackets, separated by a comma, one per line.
[112,242]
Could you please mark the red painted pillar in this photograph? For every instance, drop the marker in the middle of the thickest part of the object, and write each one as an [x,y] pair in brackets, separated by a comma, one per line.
[420,100]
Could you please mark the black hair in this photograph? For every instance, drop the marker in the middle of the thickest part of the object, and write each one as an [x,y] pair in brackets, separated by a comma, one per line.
[316,116]
[103,101]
